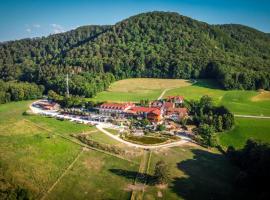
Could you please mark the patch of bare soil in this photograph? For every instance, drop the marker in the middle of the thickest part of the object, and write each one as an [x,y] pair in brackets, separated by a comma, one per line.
[262,96]
[162,186]
[159,194]
[136,187]
[93,164]
[191,144]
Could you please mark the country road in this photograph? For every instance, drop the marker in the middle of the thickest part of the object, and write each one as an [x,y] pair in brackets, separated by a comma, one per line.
[172,144]
[253,116]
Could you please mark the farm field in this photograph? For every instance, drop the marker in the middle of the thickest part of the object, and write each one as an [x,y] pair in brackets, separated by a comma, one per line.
[136,89]
[246,128]
[33,156]
[91,178]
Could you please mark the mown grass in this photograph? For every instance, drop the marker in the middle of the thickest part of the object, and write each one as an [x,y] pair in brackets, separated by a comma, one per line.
[238,101]
[101,137]
[195,173]
[136,89]
[91,178]
[246,128]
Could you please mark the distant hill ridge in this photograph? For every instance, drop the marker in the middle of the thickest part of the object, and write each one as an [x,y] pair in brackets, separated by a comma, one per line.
[153,44]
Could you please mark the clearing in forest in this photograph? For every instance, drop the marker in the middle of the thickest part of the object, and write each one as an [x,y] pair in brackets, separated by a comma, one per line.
[136,89]
[145,84]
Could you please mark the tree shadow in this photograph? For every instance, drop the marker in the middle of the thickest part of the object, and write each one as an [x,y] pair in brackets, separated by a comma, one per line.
[208,83]
[131,175]
[208,176]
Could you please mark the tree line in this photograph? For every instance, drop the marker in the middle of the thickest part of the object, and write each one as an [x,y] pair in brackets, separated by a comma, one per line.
[17,91]
[209,119]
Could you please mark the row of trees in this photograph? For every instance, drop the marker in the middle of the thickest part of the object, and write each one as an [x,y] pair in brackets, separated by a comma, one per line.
[17,91]
[254,163]
[209,119]
[83,84]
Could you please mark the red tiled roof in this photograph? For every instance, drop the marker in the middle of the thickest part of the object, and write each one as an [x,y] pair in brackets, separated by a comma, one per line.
[156,112]
[142,109]
[178,110]
[116,106]
[168,105]
[181,98]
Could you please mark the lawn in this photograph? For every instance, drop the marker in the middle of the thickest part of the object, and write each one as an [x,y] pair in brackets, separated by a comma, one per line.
[91,178]
[246,128]
[195,173]
[136,89]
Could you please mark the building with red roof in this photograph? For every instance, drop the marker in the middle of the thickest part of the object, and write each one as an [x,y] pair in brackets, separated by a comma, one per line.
[178,112]
[106,108]
[175,99]
[151,113]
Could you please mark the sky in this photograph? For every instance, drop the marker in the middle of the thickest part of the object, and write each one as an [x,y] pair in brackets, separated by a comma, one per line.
[36,18]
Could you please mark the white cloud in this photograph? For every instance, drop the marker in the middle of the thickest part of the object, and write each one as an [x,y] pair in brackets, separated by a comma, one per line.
[36,25]
[57,28]
[28,30]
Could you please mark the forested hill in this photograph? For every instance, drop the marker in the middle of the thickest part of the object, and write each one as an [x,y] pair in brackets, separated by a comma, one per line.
[154,44]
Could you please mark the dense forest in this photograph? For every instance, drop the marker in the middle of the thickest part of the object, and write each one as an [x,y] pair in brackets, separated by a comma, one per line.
[154,44]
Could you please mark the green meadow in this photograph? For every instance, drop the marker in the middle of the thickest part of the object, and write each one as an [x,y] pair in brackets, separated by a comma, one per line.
[238,101]
[34,156]
[136,89]
[246,128]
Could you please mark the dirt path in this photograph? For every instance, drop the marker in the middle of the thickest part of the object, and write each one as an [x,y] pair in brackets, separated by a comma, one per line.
[141,178]
[172,144]
[253,116]
[162,94]
[100,127]
[63,174]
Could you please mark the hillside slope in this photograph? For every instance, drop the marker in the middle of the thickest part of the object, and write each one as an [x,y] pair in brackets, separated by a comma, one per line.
[154,44]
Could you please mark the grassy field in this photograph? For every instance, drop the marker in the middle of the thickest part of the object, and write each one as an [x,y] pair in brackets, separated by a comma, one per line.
[238,101]
[33,156]
[91,178]
[195,174]
[246,128]
[136,89]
